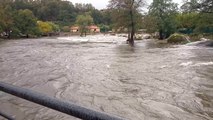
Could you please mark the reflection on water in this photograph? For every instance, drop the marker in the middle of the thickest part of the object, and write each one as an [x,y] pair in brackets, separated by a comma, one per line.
[148,82]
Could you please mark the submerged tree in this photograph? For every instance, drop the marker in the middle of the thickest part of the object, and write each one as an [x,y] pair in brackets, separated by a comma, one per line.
[127,11]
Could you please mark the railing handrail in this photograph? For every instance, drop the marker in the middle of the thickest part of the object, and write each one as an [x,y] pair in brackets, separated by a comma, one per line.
[6,116]
[56,104]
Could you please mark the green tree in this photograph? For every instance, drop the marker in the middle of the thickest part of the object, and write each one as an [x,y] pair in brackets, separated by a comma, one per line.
[97,16]
[44,27]
[55,27]
[66,29]
[83,21]
[187,22]
[127,10]
[164,11]
[200,14]
[189,6]
[205,6]
[6,19]
[26,22]
[150,23]
[104,28]
[204,23]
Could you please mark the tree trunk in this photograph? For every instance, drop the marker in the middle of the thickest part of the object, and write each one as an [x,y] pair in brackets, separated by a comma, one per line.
[85,33]
[8,34]
[129,36]
[131,41]
[161,29]
[161,34]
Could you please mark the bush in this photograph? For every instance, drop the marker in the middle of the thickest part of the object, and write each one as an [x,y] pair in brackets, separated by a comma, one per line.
[66,29]
[178,39]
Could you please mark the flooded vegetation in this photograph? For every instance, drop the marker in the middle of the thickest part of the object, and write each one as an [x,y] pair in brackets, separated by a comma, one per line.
[150,81]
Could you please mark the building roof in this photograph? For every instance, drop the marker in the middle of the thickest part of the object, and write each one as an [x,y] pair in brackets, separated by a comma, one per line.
[89,27]
[74,27]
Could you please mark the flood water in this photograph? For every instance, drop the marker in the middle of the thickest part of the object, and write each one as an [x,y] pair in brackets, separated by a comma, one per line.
[148,82]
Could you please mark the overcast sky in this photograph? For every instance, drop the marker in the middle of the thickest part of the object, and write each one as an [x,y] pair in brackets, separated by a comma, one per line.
[100,4]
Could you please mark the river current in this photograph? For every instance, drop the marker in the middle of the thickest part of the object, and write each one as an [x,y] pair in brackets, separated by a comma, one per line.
[150,81]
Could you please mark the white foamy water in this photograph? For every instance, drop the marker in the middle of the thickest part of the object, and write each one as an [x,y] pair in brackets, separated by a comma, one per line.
[186,64]
[91,39]
[196,64]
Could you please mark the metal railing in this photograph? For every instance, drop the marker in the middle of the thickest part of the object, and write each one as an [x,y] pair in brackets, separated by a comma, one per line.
[55,104]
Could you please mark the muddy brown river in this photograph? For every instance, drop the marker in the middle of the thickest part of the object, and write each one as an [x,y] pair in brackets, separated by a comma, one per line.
[148,82]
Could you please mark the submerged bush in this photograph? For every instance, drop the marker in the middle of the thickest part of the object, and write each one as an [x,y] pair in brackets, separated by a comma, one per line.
[178,39]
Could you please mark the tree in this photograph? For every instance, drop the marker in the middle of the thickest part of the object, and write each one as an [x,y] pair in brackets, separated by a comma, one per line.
[26,22]
[44,27]
[203,9]
[66,29]
[127,10]
[83,21]
[204,23]
[6,19]
[187,22]
[188,6]
[205,6]
[150,23]
[164,11]
[97,16]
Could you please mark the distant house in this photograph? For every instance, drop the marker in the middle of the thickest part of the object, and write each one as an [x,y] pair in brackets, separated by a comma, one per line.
[74,29]
[92,28]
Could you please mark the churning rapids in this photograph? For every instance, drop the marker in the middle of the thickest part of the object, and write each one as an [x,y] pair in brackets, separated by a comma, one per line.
[148,82]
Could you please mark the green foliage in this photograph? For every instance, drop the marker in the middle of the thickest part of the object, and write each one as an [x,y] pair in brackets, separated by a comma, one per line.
[187,22]
[178,39]
[45,27]
[97,16]
[55,27]
[126,14]
[150,23]
[164,11]
[6,21]
[83,21]
[205,23]
[20,16]
[197,17]
[66,29]
[25,22]
[203,6]
[189,6]
[104,28]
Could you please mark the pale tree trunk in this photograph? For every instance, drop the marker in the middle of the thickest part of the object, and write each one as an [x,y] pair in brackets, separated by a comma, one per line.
[129,35]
